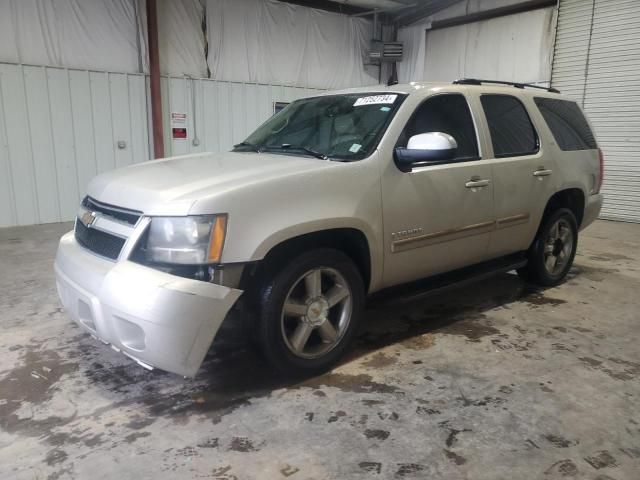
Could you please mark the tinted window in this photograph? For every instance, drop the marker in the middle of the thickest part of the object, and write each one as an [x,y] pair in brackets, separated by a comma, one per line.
[511,130]
[567,123]
[447,114]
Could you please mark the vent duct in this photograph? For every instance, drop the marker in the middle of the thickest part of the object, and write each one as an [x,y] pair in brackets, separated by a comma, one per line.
[385,51]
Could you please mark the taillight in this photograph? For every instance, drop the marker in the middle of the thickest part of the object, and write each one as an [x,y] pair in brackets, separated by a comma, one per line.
[598,185]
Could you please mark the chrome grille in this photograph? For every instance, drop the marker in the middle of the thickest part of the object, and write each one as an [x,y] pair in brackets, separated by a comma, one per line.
[103,228]
[120,214]
[99,242]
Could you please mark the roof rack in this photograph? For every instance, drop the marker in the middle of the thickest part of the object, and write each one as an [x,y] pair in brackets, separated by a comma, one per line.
[477,81]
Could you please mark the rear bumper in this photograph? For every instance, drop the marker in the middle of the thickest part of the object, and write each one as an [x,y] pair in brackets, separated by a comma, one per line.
[159,320]
[591,210]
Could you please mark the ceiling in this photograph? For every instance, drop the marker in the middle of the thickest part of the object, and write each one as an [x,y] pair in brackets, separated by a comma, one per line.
[378,4]
[401,12]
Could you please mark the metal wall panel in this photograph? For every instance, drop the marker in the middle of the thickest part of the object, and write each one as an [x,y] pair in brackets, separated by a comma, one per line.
[19,156]
[58,128]
[225,112]
[597,60]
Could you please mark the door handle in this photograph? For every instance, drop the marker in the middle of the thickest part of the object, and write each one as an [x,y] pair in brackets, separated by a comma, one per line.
[542,172]
[476,182]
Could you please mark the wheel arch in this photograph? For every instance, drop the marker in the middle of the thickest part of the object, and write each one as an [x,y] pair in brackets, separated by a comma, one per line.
[571,198]
[351,241]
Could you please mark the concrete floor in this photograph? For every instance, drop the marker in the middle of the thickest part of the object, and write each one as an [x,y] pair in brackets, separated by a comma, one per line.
[491,381]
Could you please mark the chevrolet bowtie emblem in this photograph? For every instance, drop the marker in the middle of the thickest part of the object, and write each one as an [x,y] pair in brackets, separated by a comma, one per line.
[88,218]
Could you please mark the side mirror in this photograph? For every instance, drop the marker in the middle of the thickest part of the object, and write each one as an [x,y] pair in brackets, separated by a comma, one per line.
[427,149]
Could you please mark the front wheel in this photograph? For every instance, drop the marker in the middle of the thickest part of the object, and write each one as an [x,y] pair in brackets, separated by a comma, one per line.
[552,253]
[310,312]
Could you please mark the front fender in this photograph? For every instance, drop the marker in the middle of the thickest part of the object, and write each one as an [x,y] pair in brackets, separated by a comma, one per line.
[266,213]
[315,226]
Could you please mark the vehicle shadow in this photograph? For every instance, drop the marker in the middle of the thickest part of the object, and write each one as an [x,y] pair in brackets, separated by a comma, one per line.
[235,374]
[233,365]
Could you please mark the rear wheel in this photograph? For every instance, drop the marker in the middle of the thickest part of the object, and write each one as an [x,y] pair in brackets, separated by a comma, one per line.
[310,312]
[552,253]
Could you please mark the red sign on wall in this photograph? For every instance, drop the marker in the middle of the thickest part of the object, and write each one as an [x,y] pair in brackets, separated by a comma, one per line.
[179,133]
[178,126]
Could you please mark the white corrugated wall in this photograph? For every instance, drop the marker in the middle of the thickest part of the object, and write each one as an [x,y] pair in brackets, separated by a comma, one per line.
[60,127]
[597,61]
[225,112]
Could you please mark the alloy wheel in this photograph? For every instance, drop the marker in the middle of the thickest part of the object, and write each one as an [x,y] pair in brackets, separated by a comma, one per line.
[558,247]
[316,313]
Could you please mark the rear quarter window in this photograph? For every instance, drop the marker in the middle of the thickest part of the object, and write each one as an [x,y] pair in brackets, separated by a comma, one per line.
[567,124]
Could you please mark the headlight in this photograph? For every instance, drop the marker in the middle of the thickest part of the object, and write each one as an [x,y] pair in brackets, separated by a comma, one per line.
[186,240]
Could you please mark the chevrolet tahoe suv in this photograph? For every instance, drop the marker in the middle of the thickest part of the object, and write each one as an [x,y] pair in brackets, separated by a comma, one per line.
[334,198]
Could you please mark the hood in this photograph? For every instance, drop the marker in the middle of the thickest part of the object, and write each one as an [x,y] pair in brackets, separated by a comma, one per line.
[171,186]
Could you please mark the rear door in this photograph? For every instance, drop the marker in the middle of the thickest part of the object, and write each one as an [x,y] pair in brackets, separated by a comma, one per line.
[523,172]
[437,217]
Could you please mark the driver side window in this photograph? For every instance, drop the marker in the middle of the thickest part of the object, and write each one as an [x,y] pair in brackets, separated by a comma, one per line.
[447,113]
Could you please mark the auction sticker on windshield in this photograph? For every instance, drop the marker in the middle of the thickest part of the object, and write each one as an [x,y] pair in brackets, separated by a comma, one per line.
[375,100]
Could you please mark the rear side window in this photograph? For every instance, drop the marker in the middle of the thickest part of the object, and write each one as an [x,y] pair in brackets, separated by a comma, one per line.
[446,113]
[567,123]
[511,130]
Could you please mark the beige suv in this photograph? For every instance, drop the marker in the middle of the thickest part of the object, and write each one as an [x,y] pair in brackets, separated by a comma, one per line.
[334,198]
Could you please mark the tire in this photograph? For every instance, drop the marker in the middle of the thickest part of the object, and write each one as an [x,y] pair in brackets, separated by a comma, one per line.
[305,327]
[551,255]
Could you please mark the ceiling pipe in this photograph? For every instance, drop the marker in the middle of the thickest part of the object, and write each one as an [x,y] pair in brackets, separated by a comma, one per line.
[382,10]
[154,68]
[512,9]
[416,15]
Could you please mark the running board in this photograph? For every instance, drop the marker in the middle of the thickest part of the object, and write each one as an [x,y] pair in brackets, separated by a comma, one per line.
[426,287]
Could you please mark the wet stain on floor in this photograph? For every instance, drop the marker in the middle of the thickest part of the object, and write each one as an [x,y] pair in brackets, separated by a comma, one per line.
[336,416]
[33,382]
[379,360]
[620,370]
[559,441]
[242,444]
[360,383]
[407,469]
[376,434]
[537,299]
[87,439]
[474,328]
[371,467]
[594,274]
[601,459]
[132,437]
[563,468]
[454,457]
[419,342]
[610,257]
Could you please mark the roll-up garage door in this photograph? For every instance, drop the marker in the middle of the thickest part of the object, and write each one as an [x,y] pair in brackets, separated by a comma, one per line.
[597,61]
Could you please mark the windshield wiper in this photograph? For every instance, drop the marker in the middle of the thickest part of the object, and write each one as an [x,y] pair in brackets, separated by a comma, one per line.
[308,150]
[253,146]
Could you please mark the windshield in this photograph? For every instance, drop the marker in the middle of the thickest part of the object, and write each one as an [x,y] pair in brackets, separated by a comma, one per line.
[346,127]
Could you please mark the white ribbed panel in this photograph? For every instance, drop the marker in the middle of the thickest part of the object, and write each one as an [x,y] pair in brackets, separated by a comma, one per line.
[60,127]
[225,112]
[599,65]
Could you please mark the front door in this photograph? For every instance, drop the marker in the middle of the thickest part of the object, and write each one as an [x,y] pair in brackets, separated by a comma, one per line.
[437,217]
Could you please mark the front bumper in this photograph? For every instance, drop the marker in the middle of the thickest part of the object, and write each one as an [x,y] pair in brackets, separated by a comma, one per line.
[159,320]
